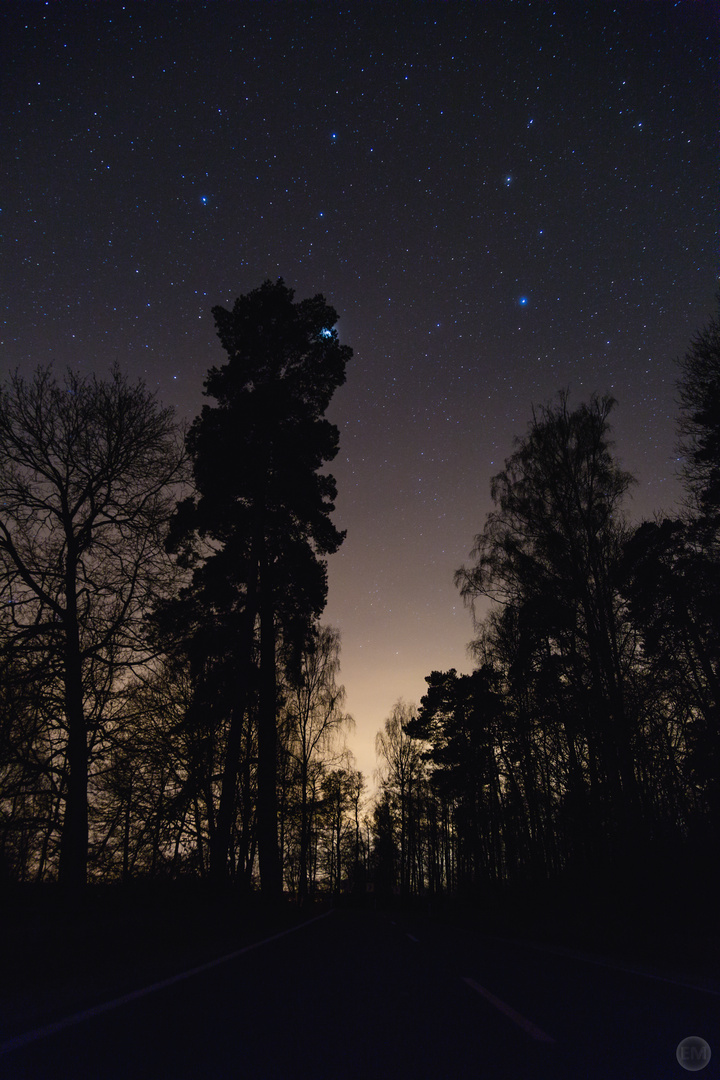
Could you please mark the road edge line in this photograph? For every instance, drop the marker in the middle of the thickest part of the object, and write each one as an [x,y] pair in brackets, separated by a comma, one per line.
[522,1022]
[27,1037]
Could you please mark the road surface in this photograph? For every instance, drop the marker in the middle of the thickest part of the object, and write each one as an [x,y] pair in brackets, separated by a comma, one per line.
[371,995]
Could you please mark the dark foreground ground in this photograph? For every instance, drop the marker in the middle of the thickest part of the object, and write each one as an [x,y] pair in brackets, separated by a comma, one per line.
[115,939]
[549,991]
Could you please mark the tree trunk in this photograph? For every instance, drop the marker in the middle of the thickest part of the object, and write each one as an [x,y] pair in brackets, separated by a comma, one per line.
[220,838]
[51,826]
[304,832]
[247,837]
[268,854]
[126,839]
[198,836]
[221,835]
[74,837]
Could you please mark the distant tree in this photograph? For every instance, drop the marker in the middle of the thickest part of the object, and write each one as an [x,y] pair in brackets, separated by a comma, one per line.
[458,723]
[385,849]
[263,509]
[402,769]
[339,788]
[358,865]
[314,702]
[88,475]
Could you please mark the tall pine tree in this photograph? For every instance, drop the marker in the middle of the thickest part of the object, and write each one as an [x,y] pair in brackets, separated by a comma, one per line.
[263,508]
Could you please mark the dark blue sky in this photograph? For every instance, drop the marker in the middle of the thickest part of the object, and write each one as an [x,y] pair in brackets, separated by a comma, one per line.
[501,199]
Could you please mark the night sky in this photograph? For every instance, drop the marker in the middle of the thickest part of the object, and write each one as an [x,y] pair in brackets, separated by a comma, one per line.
[501,199]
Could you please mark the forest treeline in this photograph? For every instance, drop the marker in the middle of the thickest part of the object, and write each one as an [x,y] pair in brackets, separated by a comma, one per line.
[585,745]
[170,703]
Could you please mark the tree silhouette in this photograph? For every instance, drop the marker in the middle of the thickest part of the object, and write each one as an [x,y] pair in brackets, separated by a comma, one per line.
[341,790]
[402,771]
[32,761]
[672,570]
[552,549]
[87,477]
[458,721]
[673,586]
[314,702]
[584,747]
[263,507]
[699,388]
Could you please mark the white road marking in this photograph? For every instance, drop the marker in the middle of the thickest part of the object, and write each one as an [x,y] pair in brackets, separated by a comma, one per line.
[96,1010]
[619,966]
[526,1025]
[612,965]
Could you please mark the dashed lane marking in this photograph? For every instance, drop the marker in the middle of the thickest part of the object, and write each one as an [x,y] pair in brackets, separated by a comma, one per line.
[527,1026]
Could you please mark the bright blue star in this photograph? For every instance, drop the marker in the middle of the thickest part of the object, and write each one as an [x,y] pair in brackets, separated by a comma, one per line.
[523,301]
[203,200]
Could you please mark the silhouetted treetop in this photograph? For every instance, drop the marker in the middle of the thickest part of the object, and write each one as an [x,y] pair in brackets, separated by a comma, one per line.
[699,389]
[556,502]
[274,342]
[284,364]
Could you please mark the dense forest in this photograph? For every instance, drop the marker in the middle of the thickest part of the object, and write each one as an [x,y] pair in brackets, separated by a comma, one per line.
[585,745]
[170,704]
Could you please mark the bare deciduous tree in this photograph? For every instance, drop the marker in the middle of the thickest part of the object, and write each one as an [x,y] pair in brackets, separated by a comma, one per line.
[88,470]
[314,702]
[403,769]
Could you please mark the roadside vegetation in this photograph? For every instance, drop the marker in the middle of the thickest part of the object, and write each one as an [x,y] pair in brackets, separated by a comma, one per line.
[172,721]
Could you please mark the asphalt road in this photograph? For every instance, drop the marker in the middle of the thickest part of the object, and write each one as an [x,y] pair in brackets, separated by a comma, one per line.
[370,995]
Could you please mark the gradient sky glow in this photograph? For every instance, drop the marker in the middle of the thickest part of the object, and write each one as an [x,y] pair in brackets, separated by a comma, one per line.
[501,199]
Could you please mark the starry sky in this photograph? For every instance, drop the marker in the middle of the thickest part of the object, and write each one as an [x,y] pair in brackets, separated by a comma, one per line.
[501,199]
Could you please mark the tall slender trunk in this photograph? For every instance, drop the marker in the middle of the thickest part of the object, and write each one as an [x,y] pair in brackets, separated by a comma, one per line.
[74,837]
[267,814]
[51,826]
[178,839]
[222,834]
[199,835]
[247,836]
[155,860]
[338,838]
[616,736]
[126,838]
[304,831]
